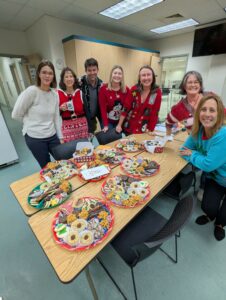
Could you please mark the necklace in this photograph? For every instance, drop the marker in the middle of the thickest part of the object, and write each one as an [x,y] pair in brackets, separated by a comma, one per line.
[116,94]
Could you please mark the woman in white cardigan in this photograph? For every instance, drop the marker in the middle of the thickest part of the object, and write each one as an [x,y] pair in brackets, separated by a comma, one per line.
[38,108]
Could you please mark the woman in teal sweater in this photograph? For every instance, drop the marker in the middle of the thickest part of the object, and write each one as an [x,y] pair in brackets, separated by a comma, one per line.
[205,148]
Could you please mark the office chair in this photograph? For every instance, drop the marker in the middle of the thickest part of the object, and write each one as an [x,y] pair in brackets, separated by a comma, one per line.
[146,233]
[180,185]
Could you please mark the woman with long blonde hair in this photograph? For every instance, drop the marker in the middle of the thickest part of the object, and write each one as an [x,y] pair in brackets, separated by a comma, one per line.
[112,97]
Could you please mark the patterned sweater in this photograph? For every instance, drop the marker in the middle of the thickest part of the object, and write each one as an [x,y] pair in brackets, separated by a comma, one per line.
[141,116]
[111,104]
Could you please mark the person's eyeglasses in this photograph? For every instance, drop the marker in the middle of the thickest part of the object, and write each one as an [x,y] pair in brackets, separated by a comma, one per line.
[193,82]
[46,73]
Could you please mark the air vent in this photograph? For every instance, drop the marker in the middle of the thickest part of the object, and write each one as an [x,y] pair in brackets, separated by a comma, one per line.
[175,16]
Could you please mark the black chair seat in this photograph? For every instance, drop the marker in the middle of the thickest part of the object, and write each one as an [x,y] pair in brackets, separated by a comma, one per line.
[146,224]
[107,137]
[147,232]
[66,150]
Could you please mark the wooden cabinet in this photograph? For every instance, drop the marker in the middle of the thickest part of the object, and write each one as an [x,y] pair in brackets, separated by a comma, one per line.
[76,51]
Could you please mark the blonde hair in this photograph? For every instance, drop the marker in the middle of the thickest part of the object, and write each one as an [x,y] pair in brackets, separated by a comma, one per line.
[122,83]
[220,115]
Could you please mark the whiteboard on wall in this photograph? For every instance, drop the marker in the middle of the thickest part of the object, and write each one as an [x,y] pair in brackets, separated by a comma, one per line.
[8,154]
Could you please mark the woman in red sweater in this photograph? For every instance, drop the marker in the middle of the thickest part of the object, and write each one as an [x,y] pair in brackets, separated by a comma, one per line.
[142,105]
[112,97]
[74,120]
[192,87]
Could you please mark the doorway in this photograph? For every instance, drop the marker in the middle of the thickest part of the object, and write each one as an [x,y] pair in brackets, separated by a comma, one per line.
[173,70]
[16,78]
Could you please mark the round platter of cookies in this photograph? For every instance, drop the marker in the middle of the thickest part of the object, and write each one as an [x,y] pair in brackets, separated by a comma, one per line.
[82,224]
[61,169]
[110,156]
[140,166]
[49,194]
[126,191]
[93,167]
[129,145]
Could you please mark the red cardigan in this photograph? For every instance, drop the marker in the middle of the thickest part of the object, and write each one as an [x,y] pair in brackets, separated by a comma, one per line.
[111,104]
[76,98]
[141,116]
[182,112]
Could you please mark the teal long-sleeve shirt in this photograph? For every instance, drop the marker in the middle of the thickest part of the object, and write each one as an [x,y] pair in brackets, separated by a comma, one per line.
[209,155]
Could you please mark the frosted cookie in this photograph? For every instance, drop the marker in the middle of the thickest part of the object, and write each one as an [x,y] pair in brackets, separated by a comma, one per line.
[86,238]
[73,238]
[79,224]
[61,230]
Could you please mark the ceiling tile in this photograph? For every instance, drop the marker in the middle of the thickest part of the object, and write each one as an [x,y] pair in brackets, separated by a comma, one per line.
[96,5]
[221,2]
[48,6]
[9,8]
[74,13]
[26,17]
[18,1]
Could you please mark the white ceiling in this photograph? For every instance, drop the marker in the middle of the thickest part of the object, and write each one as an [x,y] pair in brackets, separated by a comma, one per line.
[21,14]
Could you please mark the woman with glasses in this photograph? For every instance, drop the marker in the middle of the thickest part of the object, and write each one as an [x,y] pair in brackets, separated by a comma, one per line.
[38,108]
[192,87]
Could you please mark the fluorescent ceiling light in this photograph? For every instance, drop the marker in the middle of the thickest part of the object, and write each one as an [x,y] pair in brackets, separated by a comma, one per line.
[127,7]
[175,26]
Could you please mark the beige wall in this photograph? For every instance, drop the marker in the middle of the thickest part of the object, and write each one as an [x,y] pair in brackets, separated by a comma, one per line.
[13,42]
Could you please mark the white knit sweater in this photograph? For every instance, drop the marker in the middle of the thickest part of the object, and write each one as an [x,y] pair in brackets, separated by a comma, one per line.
[39,112]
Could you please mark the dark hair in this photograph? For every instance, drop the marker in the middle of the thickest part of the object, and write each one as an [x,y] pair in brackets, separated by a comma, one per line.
[62,74]
[185,78]
[154,86]
[42,64]
[91,62]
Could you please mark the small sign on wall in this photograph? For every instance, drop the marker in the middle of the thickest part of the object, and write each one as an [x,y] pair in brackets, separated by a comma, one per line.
[32,71]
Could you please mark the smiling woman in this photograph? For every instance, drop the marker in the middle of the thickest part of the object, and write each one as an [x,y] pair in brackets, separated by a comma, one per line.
[73,112]
[192,87]
[37,108]
[205,149]
[112,97]
[142,105]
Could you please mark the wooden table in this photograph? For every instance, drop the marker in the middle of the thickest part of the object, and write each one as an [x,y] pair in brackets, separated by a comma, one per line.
[21,188]
[181,136]
[68,265]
